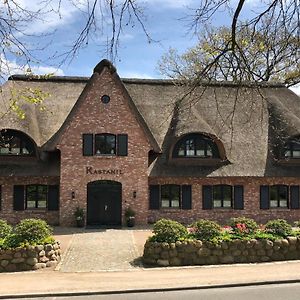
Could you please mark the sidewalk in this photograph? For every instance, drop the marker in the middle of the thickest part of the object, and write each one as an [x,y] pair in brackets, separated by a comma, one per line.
[55,283]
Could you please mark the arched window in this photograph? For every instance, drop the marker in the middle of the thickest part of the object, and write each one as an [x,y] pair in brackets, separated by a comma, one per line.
[196,145]
[14,142]
[292,148]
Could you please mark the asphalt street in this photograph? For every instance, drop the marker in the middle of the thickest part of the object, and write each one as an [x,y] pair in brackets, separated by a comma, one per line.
[262,292]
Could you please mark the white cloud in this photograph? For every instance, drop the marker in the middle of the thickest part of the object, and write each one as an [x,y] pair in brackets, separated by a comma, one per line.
[48,17]
[296,89]
[11,67]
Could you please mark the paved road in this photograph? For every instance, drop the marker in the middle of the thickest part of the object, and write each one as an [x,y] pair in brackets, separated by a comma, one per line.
[265,292]
[100,250]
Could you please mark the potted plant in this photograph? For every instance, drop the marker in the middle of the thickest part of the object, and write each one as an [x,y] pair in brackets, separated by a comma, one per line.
[79,216]
[130,217]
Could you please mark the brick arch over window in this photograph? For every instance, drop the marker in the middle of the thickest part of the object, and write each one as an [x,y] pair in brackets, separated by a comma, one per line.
[16,143]
[198,145]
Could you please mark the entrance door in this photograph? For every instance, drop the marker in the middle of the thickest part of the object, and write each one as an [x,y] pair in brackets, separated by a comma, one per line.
[104,202]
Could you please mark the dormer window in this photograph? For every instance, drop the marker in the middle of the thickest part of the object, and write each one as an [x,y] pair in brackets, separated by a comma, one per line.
[292,148]
[196,145]
[14,142]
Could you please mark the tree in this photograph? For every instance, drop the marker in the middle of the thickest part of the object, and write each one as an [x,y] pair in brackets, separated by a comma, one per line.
[262,55]
[277,19]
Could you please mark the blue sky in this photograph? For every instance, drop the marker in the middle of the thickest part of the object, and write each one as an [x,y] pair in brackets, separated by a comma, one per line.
[136,57]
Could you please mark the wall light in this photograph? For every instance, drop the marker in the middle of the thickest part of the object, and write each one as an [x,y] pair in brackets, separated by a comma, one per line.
[73,195]
[134,194]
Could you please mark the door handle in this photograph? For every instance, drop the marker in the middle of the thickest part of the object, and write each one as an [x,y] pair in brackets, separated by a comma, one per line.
[105,207]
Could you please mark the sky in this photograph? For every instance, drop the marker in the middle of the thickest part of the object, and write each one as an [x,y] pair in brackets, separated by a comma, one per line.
[167,22]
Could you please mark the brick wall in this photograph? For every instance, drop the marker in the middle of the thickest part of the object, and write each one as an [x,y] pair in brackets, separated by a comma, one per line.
[12,216]
[251,200]
[116,117]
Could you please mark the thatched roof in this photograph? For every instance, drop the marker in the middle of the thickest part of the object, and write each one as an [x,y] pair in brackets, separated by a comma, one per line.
[247,119]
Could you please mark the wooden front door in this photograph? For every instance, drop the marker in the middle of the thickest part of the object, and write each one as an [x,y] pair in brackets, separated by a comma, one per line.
[104,203]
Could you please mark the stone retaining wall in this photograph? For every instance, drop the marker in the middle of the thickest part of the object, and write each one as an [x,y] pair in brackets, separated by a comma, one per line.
[196,252]
[29,258]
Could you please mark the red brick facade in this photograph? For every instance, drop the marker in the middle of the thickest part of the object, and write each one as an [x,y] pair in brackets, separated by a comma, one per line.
[12,216]
[118,117]
[251,200]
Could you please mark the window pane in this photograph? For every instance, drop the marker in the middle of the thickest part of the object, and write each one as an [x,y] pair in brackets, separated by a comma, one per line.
[175,203]
[217,203]
[273,203]
[283,193]
[30,204]
[165,192]
[42,204]
[111,144]
[273,193]
[227,192]
[200,147]
[4,150]
[226,203]
[283,203]
[190,147]
[296,153]
[209,151]
[175,192]
[99,144]
[217,193]
[181,150]
[165,203]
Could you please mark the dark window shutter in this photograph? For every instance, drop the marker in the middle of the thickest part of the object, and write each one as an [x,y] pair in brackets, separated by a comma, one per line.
[88,141]
[122,144]
[154,197]
[238,197]
[186,197]
[207,197]
[18,197]
[264,197]
[53,197]
[294,204]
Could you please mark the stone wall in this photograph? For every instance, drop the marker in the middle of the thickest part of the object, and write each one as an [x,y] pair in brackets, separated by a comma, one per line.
[196,252]
[29,258]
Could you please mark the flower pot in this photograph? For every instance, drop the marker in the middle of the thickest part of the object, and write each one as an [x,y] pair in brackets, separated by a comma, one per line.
[130,222]
[80,223]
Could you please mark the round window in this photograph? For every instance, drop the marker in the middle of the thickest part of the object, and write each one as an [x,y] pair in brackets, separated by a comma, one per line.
[105,99]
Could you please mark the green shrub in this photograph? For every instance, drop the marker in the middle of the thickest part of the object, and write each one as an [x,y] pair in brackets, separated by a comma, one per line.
[279,227]
[12,241]
[168,231]
[243,225]
[5,229]
[206,230]
[33,231]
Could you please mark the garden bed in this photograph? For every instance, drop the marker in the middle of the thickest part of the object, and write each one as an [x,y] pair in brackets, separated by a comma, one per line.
[29,258]
[195,252]
[27,246]
[207,243]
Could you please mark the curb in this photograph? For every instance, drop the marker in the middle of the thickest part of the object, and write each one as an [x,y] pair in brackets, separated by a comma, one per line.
[136,291]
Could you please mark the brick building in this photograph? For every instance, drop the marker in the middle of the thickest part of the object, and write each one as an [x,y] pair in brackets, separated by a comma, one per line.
[165,149]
